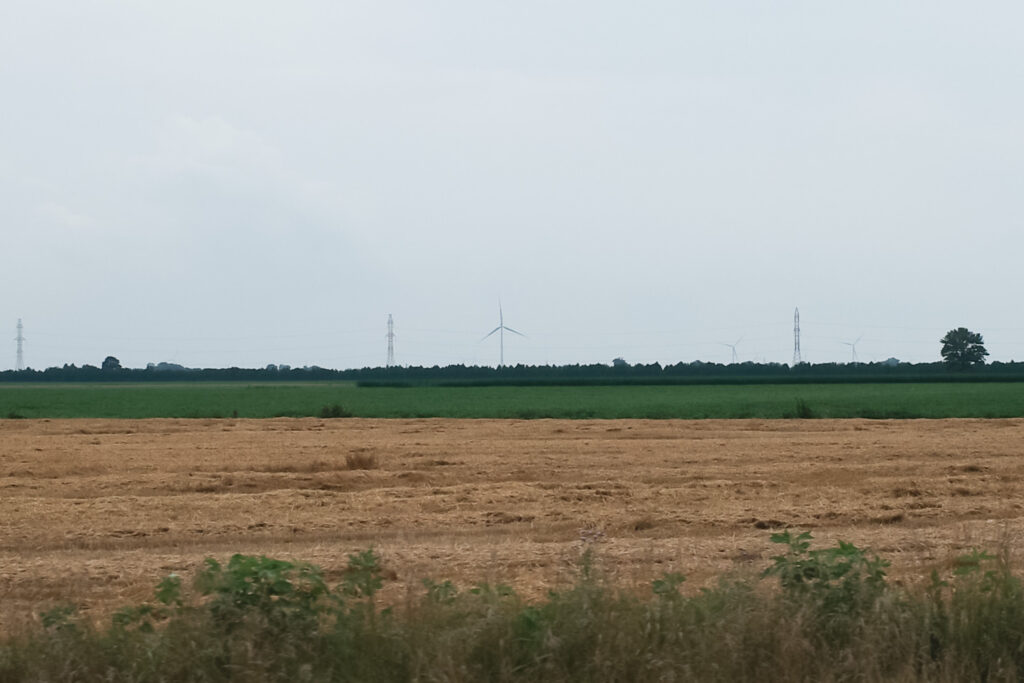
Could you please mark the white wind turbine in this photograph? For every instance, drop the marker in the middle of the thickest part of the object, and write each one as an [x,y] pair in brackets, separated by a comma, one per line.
[853,348]
[500,329]
[735,357]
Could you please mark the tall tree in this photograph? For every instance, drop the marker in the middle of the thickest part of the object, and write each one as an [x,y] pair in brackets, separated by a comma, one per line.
[111,363]
[962,348]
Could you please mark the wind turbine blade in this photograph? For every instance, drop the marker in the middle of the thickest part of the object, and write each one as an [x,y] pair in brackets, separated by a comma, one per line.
[513,331]
[491,332]
[739,340]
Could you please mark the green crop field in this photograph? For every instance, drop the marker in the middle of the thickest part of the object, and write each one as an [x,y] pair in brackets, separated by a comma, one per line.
[333,399]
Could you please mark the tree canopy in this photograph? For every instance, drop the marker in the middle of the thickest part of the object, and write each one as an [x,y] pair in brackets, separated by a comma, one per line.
[962,348]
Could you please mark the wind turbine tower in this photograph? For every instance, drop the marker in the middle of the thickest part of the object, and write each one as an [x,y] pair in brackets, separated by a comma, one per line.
[796,337]
[391,342]
[735,357]
[500,329]
[853,348]
[20,362]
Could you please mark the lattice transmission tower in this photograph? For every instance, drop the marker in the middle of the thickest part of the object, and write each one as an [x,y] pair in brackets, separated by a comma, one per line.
[20,362]
[391,342]
[796,337]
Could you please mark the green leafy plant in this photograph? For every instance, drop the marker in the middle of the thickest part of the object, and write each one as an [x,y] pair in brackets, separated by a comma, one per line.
[363,577]
[844,578]
[443,593]
[668,585]
[972,563]
[59,618]
[280,593]
[800,567]
[334,410]
[168,591]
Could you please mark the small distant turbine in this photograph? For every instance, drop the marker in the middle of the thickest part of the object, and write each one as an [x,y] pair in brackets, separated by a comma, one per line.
[853,348]
[500,329]
[735,357]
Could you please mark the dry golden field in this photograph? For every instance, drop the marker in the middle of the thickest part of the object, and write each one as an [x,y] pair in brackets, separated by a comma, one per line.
[95,512]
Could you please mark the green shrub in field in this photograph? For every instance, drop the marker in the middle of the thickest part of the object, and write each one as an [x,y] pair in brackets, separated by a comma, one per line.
[844,577]
[802,411]
[334,410]
[59,618]
[668,585]
[839,585]
[364,577]
[280,595]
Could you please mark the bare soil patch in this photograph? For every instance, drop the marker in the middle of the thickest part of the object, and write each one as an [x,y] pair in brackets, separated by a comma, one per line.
[95,512]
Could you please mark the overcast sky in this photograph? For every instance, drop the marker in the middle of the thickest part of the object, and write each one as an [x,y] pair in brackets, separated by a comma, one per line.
[243,183]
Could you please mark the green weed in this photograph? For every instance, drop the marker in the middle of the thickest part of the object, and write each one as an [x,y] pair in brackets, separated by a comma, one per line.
[802,411]
[334,410]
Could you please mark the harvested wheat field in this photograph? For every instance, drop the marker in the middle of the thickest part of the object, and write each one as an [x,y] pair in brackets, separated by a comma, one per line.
[95,512]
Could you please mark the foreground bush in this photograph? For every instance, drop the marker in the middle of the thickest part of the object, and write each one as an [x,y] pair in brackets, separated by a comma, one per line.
[823,615]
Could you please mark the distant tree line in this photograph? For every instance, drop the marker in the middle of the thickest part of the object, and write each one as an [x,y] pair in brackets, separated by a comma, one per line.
[963,355]
[622,373]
